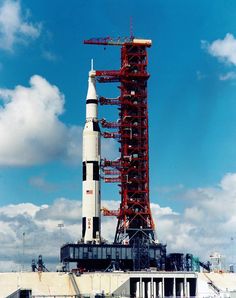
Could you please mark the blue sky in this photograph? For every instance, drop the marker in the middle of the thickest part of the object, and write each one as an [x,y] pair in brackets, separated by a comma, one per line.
[191,110]
[192,105]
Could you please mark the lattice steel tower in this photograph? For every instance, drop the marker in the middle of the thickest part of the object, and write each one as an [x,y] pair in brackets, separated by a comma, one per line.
[131,171]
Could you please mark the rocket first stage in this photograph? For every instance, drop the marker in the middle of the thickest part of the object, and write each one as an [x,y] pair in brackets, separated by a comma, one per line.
[91,202]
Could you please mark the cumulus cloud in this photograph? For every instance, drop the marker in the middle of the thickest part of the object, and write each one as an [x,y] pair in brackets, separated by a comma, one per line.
[228,76]
[31,131]
[30,128]
[223,49]
[41,233]
[206,225]
[23,208]
[39,223]
[15,26]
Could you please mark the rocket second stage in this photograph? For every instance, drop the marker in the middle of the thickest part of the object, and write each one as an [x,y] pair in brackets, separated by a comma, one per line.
[91,206]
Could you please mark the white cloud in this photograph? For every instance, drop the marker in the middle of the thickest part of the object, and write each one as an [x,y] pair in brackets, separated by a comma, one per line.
[228,76]
[23,208]
[205,226]
[31,131]
[14,26]
[40,225]
[224,49]
[8,265]
[42,235]
[30,128]
[56,211]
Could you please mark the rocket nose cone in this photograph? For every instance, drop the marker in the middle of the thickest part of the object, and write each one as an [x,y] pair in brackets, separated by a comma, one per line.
[91,94]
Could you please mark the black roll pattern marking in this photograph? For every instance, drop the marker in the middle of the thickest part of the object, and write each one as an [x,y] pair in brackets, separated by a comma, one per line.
[95,226]
[88,101]
[83,226]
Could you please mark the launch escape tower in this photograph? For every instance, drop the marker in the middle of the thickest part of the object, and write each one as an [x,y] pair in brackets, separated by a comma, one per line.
[135,246]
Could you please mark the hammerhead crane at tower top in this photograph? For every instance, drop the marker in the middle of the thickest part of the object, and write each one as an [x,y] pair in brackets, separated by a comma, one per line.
[120,41]
[131,170]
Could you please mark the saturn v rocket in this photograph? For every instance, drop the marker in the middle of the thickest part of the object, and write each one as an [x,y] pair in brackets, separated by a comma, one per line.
[91,202]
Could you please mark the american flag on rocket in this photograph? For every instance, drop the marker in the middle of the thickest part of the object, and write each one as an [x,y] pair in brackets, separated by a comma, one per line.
[89,192]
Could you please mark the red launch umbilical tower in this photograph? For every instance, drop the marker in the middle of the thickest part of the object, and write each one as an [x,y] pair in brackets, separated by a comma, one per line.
[131,170]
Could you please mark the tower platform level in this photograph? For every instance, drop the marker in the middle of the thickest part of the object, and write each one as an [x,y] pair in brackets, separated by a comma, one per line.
[105,257]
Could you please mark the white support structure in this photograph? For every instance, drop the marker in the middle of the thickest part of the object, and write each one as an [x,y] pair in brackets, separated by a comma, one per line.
[174,288]
[160,291]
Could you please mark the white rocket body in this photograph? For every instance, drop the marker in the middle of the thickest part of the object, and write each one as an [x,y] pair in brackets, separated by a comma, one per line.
[91,202]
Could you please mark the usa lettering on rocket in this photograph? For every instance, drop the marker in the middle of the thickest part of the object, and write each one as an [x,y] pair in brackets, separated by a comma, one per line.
[91,215]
